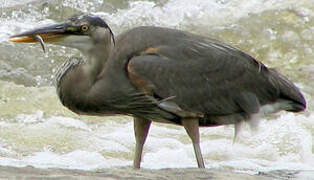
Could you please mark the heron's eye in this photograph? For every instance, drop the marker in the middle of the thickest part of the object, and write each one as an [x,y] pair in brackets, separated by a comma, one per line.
[84,28]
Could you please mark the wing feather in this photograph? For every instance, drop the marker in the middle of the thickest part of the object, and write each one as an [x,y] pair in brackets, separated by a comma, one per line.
[205,76]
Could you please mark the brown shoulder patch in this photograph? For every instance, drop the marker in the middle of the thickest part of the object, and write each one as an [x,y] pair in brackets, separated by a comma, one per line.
[151,50]
[139,82]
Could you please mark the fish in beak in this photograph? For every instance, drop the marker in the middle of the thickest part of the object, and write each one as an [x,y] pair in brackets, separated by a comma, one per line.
[53,33]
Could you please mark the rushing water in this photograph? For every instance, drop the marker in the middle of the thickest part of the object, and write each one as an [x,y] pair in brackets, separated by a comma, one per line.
[36,130]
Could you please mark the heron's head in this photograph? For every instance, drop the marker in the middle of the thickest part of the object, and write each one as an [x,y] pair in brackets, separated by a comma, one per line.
[83,32]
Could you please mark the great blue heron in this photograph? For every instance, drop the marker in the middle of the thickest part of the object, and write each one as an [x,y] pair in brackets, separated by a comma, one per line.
[163,75]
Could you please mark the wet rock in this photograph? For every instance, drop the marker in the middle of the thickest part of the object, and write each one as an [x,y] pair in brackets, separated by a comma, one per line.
[25,173]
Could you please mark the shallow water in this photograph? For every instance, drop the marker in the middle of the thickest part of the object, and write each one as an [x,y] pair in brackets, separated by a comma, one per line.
[36,130]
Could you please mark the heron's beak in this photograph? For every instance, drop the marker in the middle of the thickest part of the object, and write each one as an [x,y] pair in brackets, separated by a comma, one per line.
[52,33]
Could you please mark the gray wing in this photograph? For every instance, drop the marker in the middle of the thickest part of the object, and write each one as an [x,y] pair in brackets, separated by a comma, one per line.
[205,77]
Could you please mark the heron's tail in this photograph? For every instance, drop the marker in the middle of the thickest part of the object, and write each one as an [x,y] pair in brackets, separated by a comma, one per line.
[288,91]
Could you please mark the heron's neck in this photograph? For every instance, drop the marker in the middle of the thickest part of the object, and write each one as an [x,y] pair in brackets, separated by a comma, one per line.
[96,59]
[81,78]
[77,80]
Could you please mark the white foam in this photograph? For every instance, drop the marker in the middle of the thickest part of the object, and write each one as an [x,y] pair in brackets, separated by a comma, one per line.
[30,118]
[11,3]
[170,158]
[6,152]
[283,143]
[186,13]
[68,122]
[74,160]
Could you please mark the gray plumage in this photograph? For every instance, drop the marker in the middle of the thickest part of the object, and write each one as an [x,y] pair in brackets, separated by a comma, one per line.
[165,75]
[213,80]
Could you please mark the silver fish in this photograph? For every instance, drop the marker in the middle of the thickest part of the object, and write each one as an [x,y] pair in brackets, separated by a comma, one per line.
[41,41]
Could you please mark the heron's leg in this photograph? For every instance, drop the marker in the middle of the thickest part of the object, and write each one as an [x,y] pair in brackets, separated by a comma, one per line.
[192,128]
[141,128]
